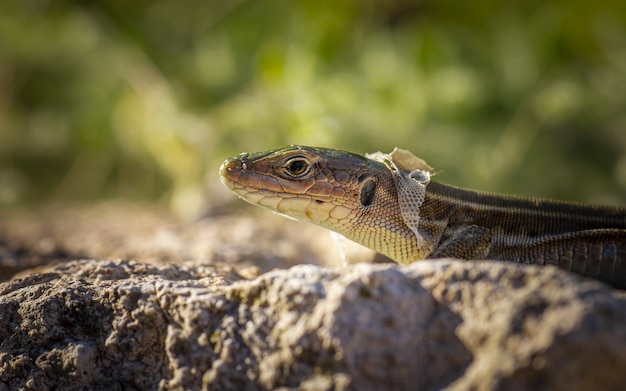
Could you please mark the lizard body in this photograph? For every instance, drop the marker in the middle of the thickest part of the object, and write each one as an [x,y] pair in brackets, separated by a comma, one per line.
[388,203]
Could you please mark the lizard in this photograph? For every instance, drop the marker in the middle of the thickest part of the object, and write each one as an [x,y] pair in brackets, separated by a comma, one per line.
[389,203]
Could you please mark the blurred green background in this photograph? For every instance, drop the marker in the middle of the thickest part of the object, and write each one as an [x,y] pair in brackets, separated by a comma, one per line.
[142,100]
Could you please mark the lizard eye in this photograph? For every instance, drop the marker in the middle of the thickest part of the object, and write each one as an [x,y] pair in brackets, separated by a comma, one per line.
[297,167]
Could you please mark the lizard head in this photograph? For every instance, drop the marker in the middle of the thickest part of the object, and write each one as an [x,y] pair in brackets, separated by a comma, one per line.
[312,184]
[347,193]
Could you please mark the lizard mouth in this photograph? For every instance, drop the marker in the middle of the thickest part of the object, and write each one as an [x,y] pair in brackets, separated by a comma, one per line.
[249,181]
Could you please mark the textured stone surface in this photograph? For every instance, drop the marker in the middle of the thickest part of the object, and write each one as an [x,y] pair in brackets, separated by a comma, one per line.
[196,323]
[126,325]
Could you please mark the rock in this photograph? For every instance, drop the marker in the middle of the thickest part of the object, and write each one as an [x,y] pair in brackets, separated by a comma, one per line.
[118,325]
[218,304]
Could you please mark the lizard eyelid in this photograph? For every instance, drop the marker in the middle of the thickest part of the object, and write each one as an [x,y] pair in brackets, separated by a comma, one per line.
[297,167]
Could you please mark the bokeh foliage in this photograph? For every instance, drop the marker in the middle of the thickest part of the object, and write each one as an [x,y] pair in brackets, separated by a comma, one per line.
[144,99]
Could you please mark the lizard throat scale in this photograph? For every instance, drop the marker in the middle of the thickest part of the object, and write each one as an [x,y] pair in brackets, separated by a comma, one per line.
[388,203]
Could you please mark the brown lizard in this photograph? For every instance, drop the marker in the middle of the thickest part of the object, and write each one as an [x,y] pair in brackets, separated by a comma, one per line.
[388,203]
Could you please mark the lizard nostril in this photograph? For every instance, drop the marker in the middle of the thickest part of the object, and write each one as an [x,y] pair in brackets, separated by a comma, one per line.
[234,166]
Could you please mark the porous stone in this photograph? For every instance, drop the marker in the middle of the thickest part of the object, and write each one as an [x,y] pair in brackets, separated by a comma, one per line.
[217,304]
[106,325]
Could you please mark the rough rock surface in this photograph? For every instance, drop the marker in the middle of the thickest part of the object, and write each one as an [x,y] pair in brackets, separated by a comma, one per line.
[198,324]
